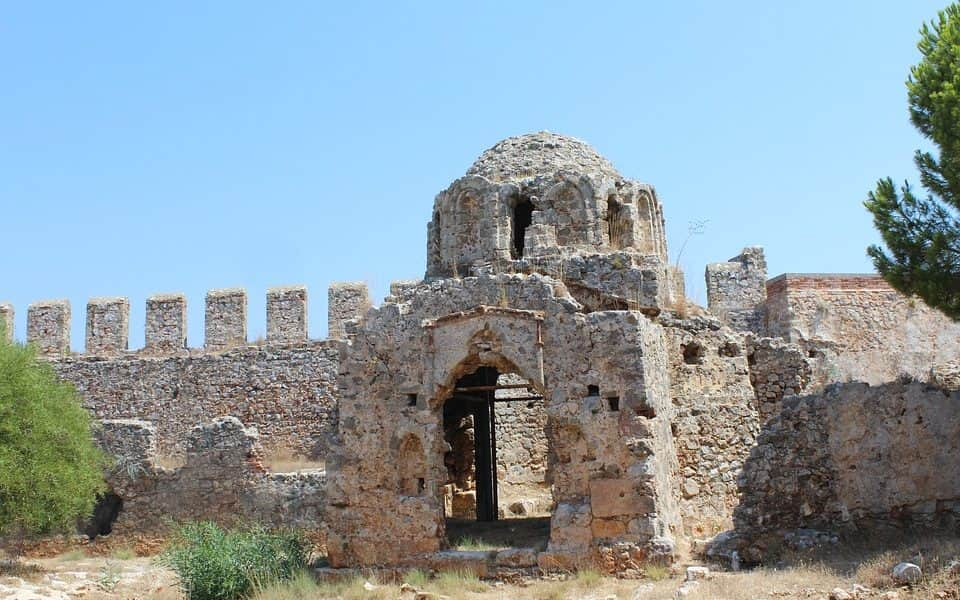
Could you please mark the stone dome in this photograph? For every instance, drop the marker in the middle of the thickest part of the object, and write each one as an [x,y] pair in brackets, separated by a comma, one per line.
[539,154]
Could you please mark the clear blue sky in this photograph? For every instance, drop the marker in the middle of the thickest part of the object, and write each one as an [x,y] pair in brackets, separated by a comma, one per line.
[161,147]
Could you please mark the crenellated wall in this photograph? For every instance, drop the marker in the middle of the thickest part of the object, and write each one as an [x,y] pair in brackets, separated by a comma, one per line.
[284,386]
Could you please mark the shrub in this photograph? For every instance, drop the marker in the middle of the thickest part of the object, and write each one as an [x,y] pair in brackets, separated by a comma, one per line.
[218,564]
[50,469]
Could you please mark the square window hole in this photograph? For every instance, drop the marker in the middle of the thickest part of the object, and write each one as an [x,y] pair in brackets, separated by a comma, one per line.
[613,403]
[593,390]
[411,399]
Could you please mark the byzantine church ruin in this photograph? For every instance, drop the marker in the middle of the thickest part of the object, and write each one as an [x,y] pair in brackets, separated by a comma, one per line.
[547,372]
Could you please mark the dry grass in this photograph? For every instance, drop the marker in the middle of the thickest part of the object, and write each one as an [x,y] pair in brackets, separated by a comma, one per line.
[796,582]
[284,461]
[23,570]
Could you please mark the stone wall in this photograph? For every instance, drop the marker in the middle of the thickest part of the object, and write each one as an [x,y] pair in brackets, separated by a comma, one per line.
[285,386]
[736,290]
[221,478]
[777,369]
[859,327]
[854,458]
[716,421]
[522,452]
[287,393]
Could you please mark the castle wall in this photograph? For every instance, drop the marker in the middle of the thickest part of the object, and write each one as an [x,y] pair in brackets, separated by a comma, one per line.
[288,394]
[220,479]
[854,458]
[860,327]
[286,386]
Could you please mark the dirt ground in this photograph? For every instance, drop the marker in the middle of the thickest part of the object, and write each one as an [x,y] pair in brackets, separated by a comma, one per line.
[113,571]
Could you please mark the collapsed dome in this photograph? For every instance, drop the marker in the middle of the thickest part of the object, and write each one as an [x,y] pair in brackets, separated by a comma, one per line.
[540,196]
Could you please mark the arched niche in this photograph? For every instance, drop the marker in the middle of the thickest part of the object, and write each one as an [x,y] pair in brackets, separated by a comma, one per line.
[571,201]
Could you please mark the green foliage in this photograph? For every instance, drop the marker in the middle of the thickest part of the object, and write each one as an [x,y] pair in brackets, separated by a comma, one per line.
[217,564]
[50,469]
[922,233]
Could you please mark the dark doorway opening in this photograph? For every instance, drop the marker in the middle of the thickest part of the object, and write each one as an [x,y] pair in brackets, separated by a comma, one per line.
[105,513]
[522,218]
[497,493]
[468,422]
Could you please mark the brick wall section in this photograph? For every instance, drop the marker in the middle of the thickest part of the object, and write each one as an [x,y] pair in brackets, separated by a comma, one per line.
[860,327]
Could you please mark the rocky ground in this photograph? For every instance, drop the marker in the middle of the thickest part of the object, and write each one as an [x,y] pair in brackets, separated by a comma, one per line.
[861,572]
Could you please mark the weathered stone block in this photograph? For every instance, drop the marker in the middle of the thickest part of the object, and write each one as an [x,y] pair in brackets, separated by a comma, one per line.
[346,301]
[48,327]
[287,315]
[166,324]
[108,326]
[225,319]
[616,497]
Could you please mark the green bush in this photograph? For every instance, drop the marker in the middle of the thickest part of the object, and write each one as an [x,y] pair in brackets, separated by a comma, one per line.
[50,469]
[217,564]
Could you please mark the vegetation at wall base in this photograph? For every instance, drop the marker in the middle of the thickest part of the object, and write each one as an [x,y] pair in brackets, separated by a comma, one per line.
[50,469]
[922,233]
[219,564]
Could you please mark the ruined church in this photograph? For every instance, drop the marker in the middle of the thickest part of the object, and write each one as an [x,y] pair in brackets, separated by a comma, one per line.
[548,372]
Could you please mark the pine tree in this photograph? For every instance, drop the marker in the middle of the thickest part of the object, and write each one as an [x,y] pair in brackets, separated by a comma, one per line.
[922,233]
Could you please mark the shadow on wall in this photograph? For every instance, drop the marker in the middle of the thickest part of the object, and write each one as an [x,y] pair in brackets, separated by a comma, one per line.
[851,459]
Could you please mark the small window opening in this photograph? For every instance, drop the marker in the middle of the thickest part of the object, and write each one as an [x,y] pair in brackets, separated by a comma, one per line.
[613,403]
[421,485]
[522,218]
[811,354]
[593,390]
[729,350]
[411,399]
[692,353]
[647,412]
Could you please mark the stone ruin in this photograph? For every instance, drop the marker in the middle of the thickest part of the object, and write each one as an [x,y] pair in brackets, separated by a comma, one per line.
[547,369]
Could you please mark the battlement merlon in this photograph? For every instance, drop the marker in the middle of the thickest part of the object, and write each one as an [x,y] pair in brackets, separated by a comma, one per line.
[108,326]
[225,319]
[48,327]
[6,320]
[287,315]
[165,331]
[347,303]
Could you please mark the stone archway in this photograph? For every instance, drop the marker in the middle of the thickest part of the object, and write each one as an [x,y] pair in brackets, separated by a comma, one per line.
[491,344]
